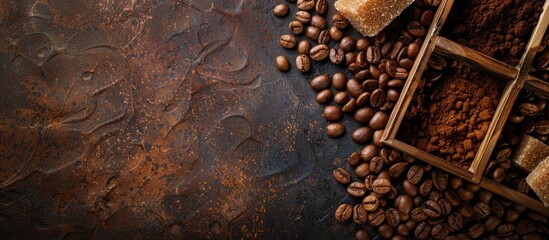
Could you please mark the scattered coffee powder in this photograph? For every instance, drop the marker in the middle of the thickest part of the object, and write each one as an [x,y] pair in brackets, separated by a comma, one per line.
[498,28]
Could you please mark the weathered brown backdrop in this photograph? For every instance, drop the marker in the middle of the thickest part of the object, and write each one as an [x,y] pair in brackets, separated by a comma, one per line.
[159,120]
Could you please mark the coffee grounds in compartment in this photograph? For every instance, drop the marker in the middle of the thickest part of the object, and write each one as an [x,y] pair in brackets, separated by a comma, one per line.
[498,28]
[449,117]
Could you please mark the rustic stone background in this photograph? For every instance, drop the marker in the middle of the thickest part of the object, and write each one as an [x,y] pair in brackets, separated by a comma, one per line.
[160,120]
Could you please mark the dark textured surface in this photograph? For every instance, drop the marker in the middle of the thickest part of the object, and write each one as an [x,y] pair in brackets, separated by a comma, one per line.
[159,120]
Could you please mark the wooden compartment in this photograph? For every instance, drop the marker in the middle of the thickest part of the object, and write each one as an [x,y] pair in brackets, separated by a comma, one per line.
[517,78]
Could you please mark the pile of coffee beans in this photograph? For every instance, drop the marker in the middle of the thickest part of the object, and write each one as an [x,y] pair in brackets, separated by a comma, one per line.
[393,195]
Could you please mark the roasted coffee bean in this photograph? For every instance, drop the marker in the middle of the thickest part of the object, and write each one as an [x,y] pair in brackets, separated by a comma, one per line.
[342,176]
[542,127]
[392,95]
[381,186]
[432,209]
[456,183]
[406,63]
[339,81]
[363,99]
[376,165]
[335,130]
[377,138]
[440,231]
[295,27]
[392,217]
[380,38]
[350,106]
[363,115]
[403,230]
[386,49]
[404,204]
[362,170]
[361,60]
[341,98]
[410,188]
[465,210]
[354,159]
[347,44]
[523,186]
[397,47]
[413,50]
[354,68]
[415,173]
[350,58]
[304,47]
[482,210]
[506,229]
[437,62]
[369,182]
[321,7]
[397,169]
[324,96]
[476,230]
[318,21]
[354,87]
[339,21]
[512,215]
[492,222]
[435,195]
[361,234]
[356,189]
[368,152]
[440,180]
[423,230]
[319,52]
[375,72]
[529,109]
[343,212]
[432,3]
[379,120]
[426,18]
[360,216]
[303,17]
[370,85]
[302,63]
[401,73]
[373,55]
[320,82]
[455,221]
[385,231]
[390,68]
[287,41]
[337,56]
[410,224]
[370,203]
[362,44]
[282,63]
[416,29]
[384,175]
[336,34]
[312,33]
[281,10]
[376,217]
[445,206]
[418,215]
[305,5]
[525,226]
[498,174]
[377,99]
[362,135]
[362,74]
[465,194]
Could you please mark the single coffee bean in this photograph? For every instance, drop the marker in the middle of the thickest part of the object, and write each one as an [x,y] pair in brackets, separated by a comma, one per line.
[302,63]
[350,106]
[377,99]
[403,230]
[370,85]
[465,210]
[401,73]
[320,82]
[360,215]
[416,29]
[542,127]
[339,81]
[512,215]
[423,230]
[406,63]
[410,188]
[465,194]
[392,217]
[336,34]
[369,182]
[368,152]
[525,226]
[437,62]
[319,52]
[499,174]
[456,183]
[362,135]
[492,222]
[385,231]
[324,96]
[390,68]
[318,21]
[497,208]
[362,170]
[347,44]
[397,169]
[281,10]
[363,115]
[413,50]
[341,98]
[476,230]
[312,33]
[354,87]
[362,74]
[305,5]
[435,195]
[505,230]
[397,47]
[337,56]
[335,130]
[321,7]
[432,3]
[332,113]
[455,221]
[432,209]
[440,231]
[415,173]
[381,186]
[304,47]
[282,63]
[440,180]
[343,212]
[303,17]
[418,215]
[445,206]
[350,58]
[363,99]
[404,204]
[370,203]
[339,21]
[342,176]
[361,60]
[523,186]
[287,41]
[376,165]
[377,138]
[379,120]
[296,27]
[373,55]
[392,95]
[426,18]
[529,109]
[384,174]
[376,217]
[354,159]
[356,189]
[482,210]
[362,44]
[386,49]
[361,234]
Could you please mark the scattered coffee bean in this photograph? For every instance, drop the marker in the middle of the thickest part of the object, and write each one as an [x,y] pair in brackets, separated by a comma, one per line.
[303,17]
[332,113]
[318,21]
[362,170]
[381,186]
[339,21]
[431,209]
[356,189]
[321,7]
[335,130]
[295,27]
[304,47]
[440,231]
[423,230]
[305,5]
[281,10]
[302,63]
[376,217]
[376,165]
[282,63]
[360,215]
[455,221]
[362,135]
[370,203]
[319,52]
[354,159]
[343,212]
[341,98]
[324,96]
[337,56]
[312,33]
[476,230]
[287,41]
[342,176]
[379,120]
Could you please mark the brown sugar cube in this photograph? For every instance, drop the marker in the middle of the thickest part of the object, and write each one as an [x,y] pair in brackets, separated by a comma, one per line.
[529,153]
[369,17]
[538,179]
